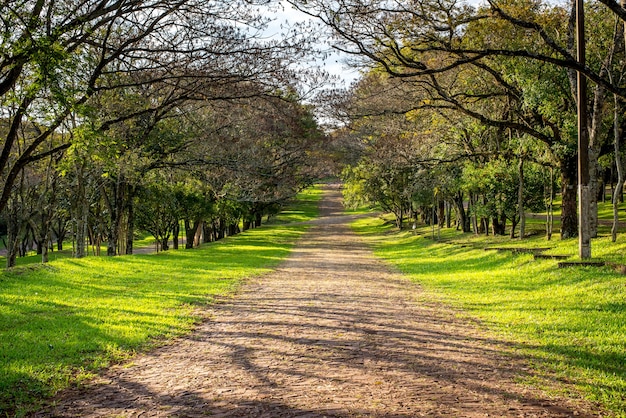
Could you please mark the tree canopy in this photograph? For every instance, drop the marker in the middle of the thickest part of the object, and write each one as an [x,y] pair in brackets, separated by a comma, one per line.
[462,112]
[499,76]
[114,100]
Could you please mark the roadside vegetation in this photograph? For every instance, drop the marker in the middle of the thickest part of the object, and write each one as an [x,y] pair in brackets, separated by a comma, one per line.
[466,119]
[570,322]
[185,120]
[62,322]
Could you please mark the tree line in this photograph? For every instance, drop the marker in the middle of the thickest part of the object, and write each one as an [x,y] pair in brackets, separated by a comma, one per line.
[471,109]
[175,117]
[167,115]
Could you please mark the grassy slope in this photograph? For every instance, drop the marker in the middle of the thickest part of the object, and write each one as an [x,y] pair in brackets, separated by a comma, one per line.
[61,322]
[570,322]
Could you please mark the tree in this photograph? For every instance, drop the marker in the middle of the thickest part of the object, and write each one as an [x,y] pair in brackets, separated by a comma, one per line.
[398,152]
[438,45]
[196,205]
[261,152]
[57,55]
[158,212]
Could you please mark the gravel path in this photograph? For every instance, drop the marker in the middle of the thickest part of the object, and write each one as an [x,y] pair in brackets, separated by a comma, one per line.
[331,333]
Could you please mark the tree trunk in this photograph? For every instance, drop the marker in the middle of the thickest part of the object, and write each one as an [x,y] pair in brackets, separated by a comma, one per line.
[82,228]
[44,252]
[60,232]
[13,232]
[569,181]
[441,214]
[514,223]
[460,208]
[472,200]
[485,221]
[221,229]
[399,219]
[207,234]
[130,236]
[189,233]
[550,207]
[594,185]
[594,167]
[44,235]
[192,238]
[498,226]
[81,212]
[520,203]
[198,236]
[617,133]
[601,187]
[175,233]
[116,211]
[233,229]
[611,178]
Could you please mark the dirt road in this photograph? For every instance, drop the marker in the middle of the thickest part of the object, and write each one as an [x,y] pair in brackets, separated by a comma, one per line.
[331,333]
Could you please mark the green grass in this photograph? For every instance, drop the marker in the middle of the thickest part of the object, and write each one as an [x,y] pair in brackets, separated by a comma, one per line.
[33,258]
[570,322]
[304,210]
[62,322]
[142,239]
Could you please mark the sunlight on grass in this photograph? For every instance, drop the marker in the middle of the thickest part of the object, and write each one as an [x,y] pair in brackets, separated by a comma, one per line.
[61,322]
[305,210]
[571,322]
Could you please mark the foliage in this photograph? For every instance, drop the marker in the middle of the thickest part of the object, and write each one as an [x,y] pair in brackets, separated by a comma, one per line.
[112,93]
[498,181]
[496,71]
[158,212]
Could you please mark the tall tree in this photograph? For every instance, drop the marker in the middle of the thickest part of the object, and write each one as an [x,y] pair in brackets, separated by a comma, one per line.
[436,45]
[56,55]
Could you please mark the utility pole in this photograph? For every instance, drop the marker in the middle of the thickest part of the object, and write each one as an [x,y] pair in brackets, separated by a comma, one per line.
[584,233]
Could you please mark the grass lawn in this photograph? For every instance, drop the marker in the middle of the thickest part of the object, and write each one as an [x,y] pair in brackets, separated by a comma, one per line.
[570,322]
[62,322]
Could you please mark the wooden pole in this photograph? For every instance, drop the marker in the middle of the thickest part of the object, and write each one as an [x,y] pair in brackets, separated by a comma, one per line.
[584,234]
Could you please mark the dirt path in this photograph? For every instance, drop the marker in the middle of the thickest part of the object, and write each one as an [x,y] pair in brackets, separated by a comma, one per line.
[331,333]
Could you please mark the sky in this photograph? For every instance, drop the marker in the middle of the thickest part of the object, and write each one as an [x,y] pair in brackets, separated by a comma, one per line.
[333,64]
